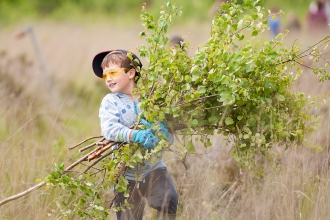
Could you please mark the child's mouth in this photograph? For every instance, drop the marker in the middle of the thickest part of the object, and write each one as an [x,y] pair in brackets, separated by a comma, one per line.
[111,85]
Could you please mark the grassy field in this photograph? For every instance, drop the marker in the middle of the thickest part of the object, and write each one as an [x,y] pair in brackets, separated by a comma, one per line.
[122,12]
[36,131]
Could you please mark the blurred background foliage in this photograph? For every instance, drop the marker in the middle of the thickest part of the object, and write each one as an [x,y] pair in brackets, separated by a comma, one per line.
[12,11]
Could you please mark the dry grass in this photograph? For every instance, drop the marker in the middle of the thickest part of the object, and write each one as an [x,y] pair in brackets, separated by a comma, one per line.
[34,133]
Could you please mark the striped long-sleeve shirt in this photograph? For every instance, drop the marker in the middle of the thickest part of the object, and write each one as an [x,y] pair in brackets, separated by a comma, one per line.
[117,113]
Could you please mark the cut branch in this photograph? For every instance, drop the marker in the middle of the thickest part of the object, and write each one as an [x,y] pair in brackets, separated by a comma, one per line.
[21,194]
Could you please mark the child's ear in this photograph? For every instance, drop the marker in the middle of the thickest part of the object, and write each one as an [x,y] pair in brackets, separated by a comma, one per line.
[131,73]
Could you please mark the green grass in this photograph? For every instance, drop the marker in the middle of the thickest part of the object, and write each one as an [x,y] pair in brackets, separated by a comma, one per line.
[117,12]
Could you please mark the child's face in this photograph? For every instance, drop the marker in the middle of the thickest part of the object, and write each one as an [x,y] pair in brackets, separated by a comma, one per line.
[116,79]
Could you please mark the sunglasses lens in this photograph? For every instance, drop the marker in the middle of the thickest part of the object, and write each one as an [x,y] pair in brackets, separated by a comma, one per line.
[112,73]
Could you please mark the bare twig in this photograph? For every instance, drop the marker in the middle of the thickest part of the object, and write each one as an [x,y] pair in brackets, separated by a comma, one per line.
[308,67]
[21,194]
[70,148]
[84,158]
[184,161]
[87,147]
[240,29]
[112,200]
[311,47]
[300,55]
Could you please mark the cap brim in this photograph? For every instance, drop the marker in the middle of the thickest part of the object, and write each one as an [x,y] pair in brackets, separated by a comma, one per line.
[97,61]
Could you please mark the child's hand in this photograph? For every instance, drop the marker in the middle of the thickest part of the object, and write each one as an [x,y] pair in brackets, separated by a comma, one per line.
[146,138]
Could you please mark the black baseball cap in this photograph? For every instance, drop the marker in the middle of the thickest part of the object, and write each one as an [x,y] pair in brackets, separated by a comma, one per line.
[97,61]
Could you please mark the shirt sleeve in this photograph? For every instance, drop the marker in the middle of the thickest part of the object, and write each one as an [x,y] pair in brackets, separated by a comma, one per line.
[111,126]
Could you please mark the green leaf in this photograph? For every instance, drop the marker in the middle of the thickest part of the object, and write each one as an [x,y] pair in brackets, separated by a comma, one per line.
[255,33]
[190,147]
[240,36]
[195,77]
[229,121]
[201,89]
[139,154]
[236,157]
[278,127]
[280,97]
[187,78]
[251,122]
[280,35]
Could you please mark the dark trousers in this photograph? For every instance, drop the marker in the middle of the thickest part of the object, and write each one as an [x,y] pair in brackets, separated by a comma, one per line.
[159,191]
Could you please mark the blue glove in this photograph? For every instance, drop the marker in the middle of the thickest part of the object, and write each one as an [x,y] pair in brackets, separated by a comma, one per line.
[146,138]
[146,123]
[163,131]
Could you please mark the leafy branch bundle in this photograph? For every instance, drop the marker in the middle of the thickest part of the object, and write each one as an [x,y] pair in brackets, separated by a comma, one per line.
[234,84]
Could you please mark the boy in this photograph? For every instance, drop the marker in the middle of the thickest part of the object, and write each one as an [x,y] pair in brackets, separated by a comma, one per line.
[118,112]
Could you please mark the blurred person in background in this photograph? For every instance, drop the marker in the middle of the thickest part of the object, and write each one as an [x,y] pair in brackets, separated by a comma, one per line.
[294,24]
[317,18]
[177,42]
[327,10]
[274,22]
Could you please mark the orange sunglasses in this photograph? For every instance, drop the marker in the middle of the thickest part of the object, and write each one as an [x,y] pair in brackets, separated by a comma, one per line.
[113,73]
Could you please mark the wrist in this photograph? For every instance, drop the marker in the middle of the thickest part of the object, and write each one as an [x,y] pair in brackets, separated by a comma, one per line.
[133,135]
